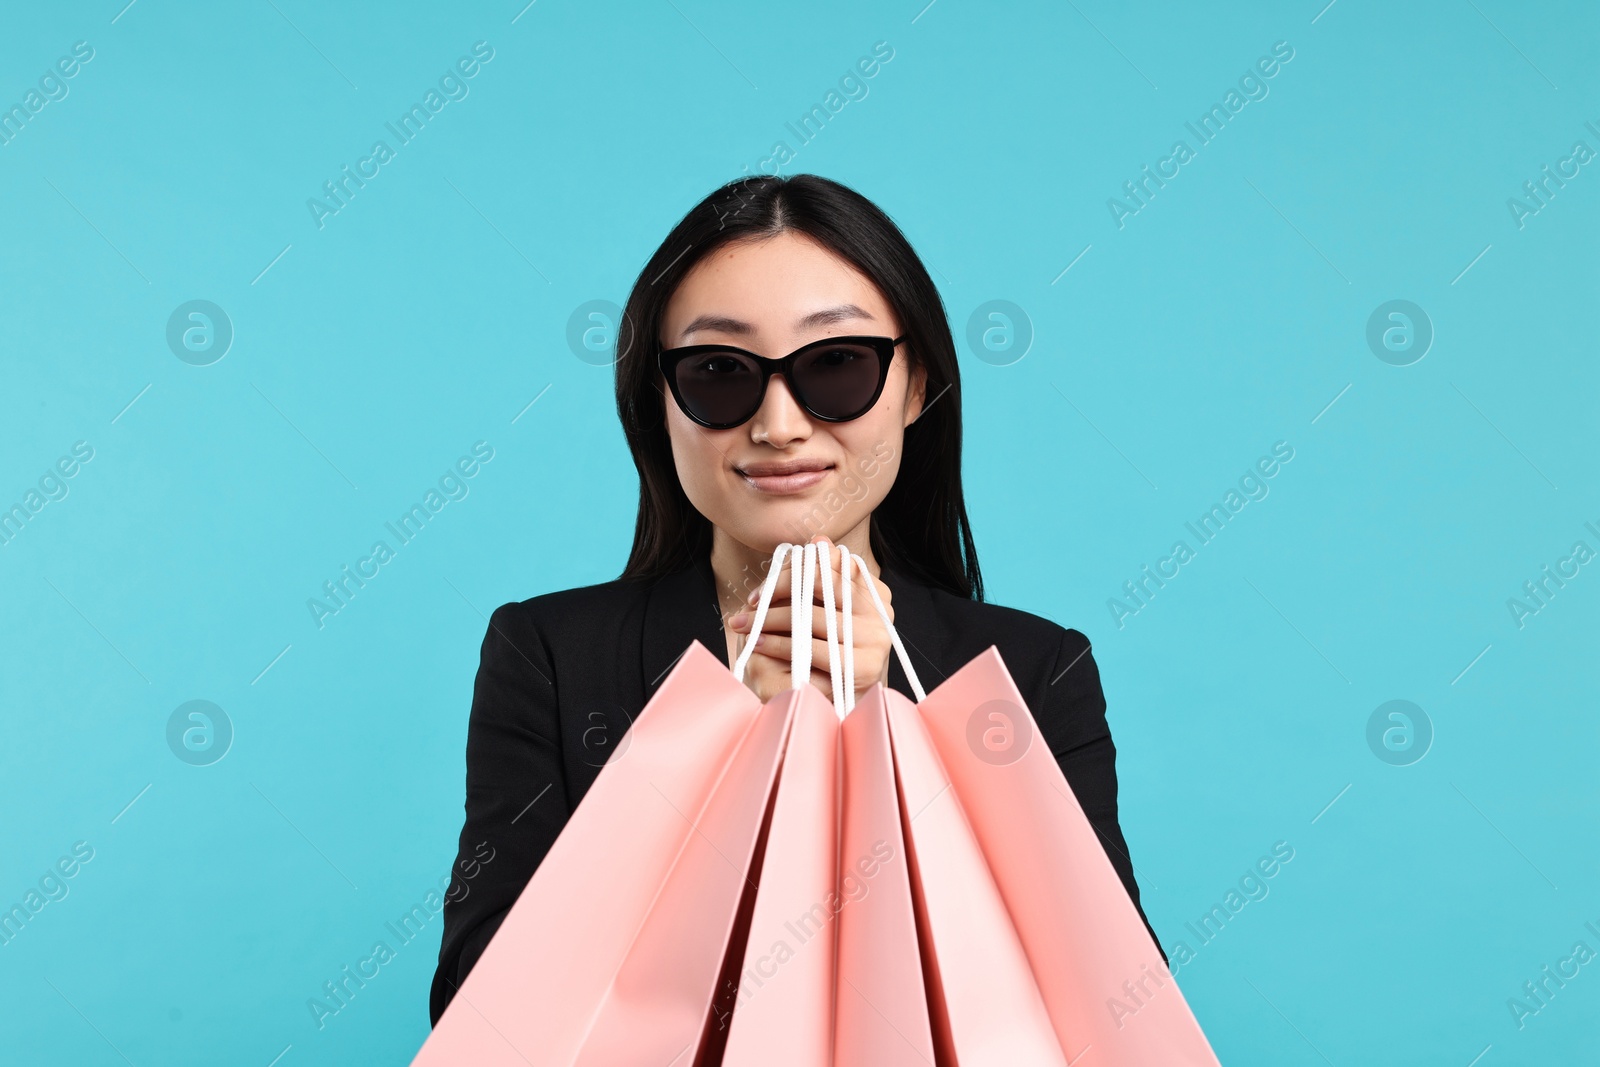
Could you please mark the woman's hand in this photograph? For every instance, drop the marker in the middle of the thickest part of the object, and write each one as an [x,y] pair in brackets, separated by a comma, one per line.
[767,673]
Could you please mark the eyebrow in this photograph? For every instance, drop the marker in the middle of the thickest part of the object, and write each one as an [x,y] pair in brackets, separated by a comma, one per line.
[825,317]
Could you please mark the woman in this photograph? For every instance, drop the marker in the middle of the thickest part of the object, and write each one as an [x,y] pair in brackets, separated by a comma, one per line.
[855,438]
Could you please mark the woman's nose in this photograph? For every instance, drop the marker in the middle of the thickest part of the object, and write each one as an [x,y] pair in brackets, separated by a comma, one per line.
[780,420]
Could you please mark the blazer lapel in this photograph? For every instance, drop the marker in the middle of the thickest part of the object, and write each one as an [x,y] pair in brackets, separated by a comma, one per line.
[681,607]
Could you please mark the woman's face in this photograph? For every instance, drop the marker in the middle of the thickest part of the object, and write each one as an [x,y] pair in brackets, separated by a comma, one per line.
[771,296]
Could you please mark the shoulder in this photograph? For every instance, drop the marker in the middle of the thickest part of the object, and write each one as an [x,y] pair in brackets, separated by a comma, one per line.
[584,614]
[1024,631]
[583,600]
[1052,666]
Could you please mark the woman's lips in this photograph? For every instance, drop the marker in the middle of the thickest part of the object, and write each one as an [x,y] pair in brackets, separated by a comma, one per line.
[785,483]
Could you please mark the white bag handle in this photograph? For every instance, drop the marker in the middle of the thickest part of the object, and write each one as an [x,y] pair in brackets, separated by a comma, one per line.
[848,639]
[802,589]
[883,613]
[762,603]
[840,707]
[803,563]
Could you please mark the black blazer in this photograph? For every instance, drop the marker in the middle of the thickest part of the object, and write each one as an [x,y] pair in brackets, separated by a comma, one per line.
[563,674]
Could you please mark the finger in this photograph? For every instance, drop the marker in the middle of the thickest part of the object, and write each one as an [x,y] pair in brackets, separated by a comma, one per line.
[826,554]
[860,622]
[781,648]
[766,665]
[864,608]
[780,621]
[861,604]
[819,618]
[830,557]
[775,646]
[773,664]
[780,592]
[858,576]
[782,596]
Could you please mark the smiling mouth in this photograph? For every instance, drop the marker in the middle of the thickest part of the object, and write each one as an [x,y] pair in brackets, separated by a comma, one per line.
[782,478]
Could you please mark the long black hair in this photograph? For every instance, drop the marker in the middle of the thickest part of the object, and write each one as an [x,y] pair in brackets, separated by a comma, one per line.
[921,526]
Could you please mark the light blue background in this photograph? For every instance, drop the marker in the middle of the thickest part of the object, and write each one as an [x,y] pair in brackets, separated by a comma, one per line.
[1228,314]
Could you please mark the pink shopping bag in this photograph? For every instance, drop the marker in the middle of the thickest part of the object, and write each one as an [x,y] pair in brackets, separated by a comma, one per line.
[986,1007]
[782,1011]
[881,999]
[612,952]
[831,972]
[1011,883]
[615,950]
[659,1004]
[1101,977]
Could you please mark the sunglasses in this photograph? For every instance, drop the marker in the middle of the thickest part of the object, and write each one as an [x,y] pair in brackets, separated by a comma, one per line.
[836,379]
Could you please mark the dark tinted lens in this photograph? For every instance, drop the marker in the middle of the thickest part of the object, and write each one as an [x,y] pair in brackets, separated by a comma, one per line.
[838,380]
[719,387]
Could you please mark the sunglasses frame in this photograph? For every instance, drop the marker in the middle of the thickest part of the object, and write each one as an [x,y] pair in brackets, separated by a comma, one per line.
[668,359]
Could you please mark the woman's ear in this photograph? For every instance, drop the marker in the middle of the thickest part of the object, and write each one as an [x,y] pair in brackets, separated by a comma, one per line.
[916,392]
